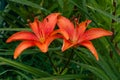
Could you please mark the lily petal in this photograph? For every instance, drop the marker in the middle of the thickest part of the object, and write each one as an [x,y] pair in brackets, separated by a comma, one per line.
[96,33]
[22,46]
[90,46]
[66,44]
[23,35]
[67,25]
[79,30]
[62,32]
[35,26]
[82,27]
[50,22]
[44,46]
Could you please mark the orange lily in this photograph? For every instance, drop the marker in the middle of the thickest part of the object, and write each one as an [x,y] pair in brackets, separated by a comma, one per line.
[78,35]
[41,36]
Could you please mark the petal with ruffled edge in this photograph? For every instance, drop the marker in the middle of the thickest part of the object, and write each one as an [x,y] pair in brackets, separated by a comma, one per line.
[49,23]
[95,33]
[90,46]
[23,35]
[82,27]
[67,25]
[35,26]
[44,46]
[22,46]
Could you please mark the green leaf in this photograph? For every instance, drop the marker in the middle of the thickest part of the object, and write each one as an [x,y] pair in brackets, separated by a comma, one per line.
[117,56]
[104,13]
[14,29]
[62,77]
[95,70]
[98,72]
[84,11]
[66,7]
[61,3]
[18,72]
[29,3]
[106,68]
[26,68]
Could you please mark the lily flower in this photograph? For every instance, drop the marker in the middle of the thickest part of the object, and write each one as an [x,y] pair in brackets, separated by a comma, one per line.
[78,35]
[43,34]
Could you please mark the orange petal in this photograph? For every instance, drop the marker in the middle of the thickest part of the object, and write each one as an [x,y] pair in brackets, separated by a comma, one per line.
[62,32]
[96,33]
[23,35]
[50,22]
[53,37]
[22,46]
[82,27]
[66,45]
[90,46]
[35,26]
[44,46]
[67,25]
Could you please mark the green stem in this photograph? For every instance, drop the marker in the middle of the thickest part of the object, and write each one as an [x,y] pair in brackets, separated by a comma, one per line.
[112,24]
[51,62]
[113,21]
[68,61]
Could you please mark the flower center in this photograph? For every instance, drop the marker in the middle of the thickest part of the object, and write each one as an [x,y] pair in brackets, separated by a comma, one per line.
[42,40]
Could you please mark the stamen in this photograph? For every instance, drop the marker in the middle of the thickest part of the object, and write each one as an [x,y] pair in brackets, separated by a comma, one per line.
[41,35]
[76,22]
[42,39]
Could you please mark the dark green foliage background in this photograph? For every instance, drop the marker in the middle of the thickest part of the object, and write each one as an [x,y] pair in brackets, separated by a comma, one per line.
[33,64]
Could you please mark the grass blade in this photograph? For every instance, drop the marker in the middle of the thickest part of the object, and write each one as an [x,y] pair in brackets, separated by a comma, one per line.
[63,77]
[104,13]
[29,69]
[29,3]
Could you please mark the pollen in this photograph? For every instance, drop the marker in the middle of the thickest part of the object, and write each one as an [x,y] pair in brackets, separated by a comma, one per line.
[42,40]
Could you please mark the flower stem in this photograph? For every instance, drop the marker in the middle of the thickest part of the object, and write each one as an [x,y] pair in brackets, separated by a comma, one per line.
[113,21]
[114,4]
[51,62]
[67,63]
